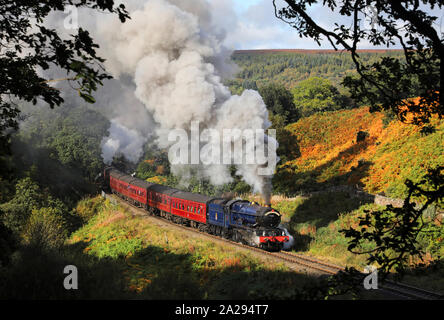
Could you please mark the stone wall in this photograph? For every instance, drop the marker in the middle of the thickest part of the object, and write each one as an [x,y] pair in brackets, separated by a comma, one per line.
[381,200]
[384,201]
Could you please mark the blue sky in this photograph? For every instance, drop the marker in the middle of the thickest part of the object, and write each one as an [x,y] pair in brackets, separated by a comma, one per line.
[244,4]
[255,26]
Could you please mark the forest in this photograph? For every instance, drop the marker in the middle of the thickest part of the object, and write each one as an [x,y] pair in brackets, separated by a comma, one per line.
[290,68]
[342,144]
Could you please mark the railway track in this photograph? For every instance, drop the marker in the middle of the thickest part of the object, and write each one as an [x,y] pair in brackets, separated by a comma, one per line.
[409,292]
[401,290]
[395,288]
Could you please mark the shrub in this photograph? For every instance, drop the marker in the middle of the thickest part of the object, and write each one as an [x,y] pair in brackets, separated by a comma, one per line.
[88,208]
[28,196]
[45,229]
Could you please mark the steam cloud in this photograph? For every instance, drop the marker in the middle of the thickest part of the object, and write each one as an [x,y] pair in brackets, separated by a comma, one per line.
[173,52]
[128,142]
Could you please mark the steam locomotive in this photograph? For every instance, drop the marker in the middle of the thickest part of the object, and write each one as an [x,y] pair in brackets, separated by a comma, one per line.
[240,220]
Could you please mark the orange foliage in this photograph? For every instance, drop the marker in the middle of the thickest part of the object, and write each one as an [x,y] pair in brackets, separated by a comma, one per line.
[160,170]
[157,179]
[232,263]
[410,116]
[383,160]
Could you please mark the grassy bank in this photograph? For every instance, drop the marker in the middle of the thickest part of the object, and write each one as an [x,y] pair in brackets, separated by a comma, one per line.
[120,256]
[331,154]
[159,263]
[315,223]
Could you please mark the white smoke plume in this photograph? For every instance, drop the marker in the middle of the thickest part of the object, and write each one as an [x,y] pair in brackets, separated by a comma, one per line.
[174,54]
[122,140]
[287,245]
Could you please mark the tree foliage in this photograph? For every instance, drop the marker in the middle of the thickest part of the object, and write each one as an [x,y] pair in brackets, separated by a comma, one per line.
[385,84]
[279,101]
[317,95]
[395,231]
[28,196]
[46,229]
[27,45]
[259,68]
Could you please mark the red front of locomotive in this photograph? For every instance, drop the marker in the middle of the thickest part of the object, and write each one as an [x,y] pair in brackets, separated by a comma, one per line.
[272,239]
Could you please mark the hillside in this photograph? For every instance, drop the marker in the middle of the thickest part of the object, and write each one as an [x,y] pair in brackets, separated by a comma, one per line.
[157,261]
[289,67]
[330,153]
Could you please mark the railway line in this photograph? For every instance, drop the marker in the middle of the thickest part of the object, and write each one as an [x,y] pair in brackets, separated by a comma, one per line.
[397,289]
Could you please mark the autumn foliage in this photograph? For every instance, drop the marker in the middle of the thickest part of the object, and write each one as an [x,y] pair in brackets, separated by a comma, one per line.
[330,153]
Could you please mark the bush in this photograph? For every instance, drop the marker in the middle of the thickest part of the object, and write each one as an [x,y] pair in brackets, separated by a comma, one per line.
[28,196]
[88,208]
[317,95]
[45,229]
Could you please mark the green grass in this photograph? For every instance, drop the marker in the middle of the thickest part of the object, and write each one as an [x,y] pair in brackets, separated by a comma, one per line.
[315,223]
[124,257]
[158,263]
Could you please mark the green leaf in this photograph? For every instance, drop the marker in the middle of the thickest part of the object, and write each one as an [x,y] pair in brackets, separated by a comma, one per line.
[88,98]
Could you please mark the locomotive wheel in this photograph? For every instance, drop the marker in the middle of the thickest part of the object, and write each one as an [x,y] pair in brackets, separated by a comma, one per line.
[236,236]
[202,228]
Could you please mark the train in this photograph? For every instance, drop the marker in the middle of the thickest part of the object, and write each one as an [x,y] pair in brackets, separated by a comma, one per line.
[236,219]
